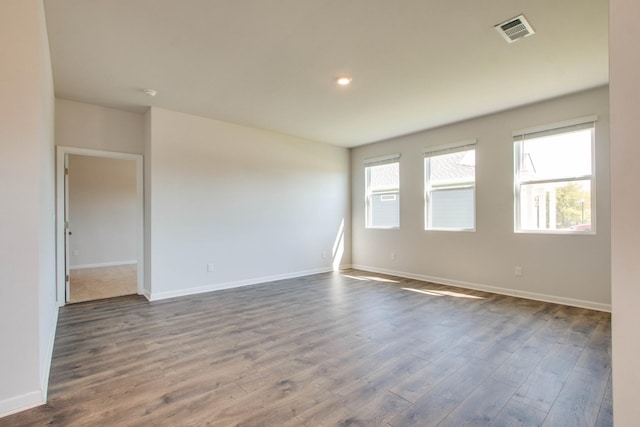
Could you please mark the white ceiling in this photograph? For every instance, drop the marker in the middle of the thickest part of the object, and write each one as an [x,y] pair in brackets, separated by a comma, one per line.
[272,64]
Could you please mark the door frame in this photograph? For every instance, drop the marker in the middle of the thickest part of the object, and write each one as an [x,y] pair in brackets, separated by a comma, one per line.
[61,268]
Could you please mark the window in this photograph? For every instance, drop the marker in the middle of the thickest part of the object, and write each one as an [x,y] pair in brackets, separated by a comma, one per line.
[554,179]
[382,178]
[450,177]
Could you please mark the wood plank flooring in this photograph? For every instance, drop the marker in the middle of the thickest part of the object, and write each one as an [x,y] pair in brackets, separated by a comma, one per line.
[334,349]
[88,284]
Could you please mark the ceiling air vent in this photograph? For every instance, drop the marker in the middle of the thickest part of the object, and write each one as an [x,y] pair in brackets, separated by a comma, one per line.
[515,29]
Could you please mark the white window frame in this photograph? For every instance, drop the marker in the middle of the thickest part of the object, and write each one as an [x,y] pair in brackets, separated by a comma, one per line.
[428,188]
[554,129]
[378,161]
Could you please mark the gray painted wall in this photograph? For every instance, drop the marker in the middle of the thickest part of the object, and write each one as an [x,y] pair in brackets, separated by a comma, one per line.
[28,310]
[102,211]
[256,204]
[98,128]
[625,205]
[569,268]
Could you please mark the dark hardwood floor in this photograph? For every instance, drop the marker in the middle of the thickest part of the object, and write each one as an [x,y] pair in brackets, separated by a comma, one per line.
[345,349]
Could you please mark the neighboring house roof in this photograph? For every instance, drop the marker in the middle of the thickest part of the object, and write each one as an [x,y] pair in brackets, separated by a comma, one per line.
[453,167]
[384,177]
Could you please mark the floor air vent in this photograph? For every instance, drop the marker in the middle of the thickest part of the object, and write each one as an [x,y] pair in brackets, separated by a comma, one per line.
[515,29]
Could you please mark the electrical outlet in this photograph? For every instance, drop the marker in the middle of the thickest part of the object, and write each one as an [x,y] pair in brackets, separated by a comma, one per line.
[393,255]
[210,267]
[76,252]
[517,271]
[324,254]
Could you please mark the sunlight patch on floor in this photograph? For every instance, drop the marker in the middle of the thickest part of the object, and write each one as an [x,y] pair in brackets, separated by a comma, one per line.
[375,279]
[442,293]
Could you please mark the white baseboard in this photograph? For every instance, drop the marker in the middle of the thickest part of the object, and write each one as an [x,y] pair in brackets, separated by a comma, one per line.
[36,397]
[493,289]
[21,403]
[155,296]
[102,264]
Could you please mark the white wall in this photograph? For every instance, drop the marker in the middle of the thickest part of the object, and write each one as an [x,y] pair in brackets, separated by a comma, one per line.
[102,211]
[98,128]
[27,224]
[257,204]
[572,269]
[625,208]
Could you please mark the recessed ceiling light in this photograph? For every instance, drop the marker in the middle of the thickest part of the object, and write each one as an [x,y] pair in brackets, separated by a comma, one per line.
[343,80]
[150,92]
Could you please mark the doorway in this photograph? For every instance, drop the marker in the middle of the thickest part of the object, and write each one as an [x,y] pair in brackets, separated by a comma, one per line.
[100,225]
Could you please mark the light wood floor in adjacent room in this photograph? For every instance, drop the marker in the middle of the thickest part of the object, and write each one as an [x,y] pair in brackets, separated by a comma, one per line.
[334,349]
[88,284]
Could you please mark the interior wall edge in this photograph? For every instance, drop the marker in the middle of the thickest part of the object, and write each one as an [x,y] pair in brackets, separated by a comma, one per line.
[46,369]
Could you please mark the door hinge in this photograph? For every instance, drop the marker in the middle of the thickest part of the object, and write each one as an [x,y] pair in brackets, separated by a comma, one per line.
[66,171]
[66,224]
[67,278]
